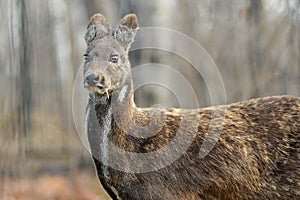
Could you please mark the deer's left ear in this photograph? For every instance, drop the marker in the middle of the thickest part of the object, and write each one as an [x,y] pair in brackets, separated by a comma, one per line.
[124,32]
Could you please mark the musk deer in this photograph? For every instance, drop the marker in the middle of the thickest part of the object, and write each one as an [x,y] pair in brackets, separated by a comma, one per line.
[255,156]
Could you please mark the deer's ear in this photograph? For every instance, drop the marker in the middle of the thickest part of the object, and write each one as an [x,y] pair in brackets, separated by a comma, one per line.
[97,28]
[124,32]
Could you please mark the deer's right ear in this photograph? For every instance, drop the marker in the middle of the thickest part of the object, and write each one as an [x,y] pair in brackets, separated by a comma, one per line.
[124,33]
[97,28]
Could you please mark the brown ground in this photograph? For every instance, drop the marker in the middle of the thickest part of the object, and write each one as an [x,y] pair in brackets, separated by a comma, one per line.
[53,187]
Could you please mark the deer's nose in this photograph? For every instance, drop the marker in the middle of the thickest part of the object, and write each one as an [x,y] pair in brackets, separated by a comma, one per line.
[92,79]
[96,80]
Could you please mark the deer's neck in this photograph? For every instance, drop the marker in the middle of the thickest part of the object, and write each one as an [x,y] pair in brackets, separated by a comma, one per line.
[107,117]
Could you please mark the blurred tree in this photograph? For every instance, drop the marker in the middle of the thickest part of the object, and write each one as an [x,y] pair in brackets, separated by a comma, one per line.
[254,20]
[24,80]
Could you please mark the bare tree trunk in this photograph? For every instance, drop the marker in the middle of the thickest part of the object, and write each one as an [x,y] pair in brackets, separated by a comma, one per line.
[20,121]
[254,18]
[24,107]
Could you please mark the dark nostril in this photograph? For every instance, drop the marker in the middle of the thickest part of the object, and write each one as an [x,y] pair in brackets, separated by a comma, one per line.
[92,79]
[96,79]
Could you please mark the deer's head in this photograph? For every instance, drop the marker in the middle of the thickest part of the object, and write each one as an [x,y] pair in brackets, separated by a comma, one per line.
[106,65]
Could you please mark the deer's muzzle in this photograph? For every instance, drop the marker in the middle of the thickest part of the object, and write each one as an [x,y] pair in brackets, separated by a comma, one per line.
[96,83]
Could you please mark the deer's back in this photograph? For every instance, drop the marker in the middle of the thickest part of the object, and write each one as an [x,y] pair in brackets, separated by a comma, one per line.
[256,155]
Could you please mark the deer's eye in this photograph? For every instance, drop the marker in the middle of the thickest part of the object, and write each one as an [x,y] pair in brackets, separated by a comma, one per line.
[114,58]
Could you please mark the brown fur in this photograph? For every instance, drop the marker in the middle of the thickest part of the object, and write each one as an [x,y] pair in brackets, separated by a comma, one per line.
[257,155]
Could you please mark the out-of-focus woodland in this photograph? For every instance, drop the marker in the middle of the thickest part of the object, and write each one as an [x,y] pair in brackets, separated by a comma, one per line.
[254,43]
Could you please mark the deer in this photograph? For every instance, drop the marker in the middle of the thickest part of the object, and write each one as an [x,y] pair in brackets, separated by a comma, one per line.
[256,154]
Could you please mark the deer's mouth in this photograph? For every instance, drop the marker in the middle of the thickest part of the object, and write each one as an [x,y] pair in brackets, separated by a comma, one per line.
[98,84]
[99,90]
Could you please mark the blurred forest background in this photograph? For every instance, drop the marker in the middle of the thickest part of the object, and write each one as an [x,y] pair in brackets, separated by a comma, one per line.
[255,44]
